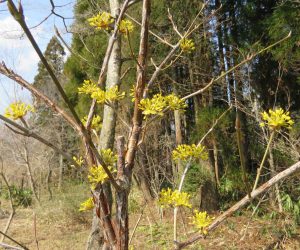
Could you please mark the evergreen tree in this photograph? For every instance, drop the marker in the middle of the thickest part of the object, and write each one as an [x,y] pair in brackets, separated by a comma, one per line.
[53,126]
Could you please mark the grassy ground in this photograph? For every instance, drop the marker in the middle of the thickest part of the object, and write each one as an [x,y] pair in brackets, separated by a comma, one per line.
[59,225]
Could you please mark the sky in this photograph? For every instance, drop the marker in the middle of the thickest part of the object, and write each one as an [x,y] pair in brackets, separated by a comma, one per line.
[15,49]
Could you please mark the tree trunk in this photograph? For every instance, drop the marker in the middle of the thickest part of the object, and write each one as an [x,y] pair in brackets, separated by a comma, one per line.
[48,180]
[216,164]
[107,135]
[61,171]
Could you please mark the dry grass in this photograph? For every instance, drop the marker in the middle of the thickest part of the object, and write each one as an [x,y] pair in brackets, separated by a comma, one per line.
[61,226]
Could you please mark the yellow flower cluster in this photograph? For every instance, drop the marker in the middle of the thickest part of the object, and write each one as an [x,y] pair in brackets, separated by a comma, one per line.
[96,122]
[132,93]
[174,102]
[158,103]
[88,87]
[169,198]
[126,26]
[101,21]
[96,173]
[108,157]
[277,119]
[79,160]
[201,221]
[187,45]
[101,96]
[87,205]
[18,110]
[153,106]
[185,152]
[104,21]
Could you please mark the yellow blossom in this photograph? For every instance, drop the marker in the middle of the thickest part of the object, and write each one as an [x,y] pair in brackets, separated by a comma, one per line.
[18,110]
[126,26]
[132,93]
[113,94]
[87,205]
[96,122]
[169,198]
[187,45]
[88,87]
[101,21]
[101,96]
[108,157]
[156,104]
[153,106]
[98,175]
[201,221]
[276,119]
[185,152]
[174,102]
[79,160]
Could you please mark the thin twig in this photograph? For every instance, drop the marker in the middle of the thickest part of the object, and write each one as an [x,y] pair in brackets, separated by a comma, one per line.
[35,231]
[248,58]
[13,210]
[151,32]
[29,133]
[10,238]
[136,224]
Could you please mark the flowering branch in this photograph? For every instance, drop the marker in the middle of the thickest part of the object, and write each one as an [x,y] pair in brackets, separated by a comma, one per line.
[262,189]
[19,17]
[38,94]
[104,67]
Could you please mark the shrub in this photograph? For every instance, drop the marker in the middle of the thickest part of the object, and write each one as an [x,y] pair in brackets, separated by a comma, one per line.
[20,196]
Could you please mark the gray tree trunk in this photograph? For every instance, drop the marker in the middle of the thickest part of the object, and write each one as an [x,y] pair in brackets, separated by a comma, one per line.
[107,135]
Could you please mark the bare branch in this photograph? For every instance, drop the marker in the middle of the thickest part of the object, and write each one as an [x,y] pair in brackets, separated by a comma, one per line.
[72,51]
[10,238]
[249,58]
[151,32]
[12,207]
[140,87]
[132,2]
[29,133]
[171,53]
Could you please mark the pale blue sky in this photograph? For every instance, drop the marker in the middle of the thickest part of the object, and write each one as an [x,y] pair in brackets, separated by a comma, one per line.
[16,51]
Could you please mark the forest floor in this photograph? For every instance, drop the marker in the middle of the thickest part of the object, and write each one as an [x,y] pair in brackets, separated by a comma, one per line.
[59,225]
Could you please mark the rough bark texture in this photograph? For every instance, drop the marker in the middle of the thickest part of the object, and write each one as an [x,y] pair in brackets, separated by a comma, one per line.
[124,180]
